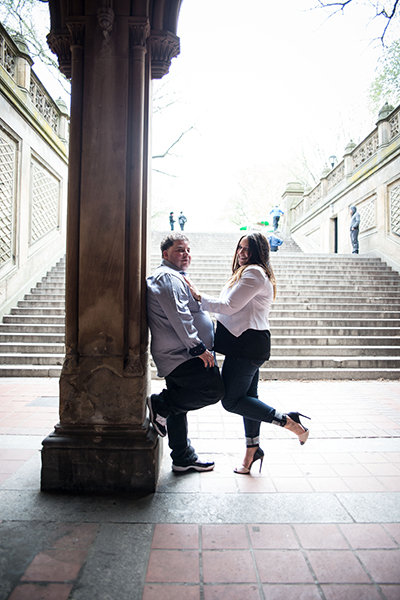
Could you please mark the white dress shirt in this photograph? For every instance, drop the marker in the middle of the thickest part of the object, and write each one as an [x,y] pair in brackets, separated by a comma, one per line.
[246,304]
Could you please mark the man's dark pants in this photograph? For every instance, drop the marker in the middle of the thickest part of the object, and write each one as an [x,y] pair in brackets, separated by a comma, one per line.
[354,239]
[189,387]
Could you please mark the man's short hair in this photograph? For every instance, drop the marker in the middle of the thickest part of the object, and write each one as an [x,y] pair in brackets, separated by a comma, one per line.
[170,239]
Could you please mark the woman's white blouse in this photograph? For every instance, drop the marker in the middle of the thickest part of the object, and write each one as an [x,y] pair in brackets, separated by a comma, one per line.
[246,304]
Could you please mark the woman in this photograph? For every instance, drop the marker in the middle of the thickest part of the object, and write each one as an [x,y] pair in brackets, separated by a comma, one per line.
[243,335]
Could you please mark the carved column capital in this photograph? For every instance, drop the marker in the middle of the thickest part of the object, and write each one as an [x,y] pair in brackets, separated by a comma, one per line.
[60,44]
[164,47]
[76,30]
[139,33]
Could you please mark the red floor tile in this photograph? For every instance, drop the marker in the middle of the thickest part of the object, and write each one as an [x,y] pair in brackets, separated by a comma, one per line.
[224,537]
[321,536]
[228,566]
[272,536]
[393,530]
[231,592]
[176,536]
[171,592]
[291,592]
[382,565]
[34,591]
[336,566]
[282,566]
[390,592]
[173,566]
[367,535]
[351,592]
[292,484]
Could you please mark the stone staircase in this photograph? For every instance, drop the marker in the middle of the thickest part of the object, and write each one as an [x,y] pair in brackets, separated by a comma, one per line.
[32,335]
[335,316]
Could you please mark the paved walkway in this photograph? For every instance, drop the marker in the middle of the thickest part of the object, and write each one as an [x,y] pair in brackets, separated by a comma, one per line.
[320,522]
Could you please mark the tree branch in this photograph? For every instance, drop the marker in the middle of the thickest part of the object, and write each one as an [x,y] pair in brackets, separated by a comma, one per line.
[173,144]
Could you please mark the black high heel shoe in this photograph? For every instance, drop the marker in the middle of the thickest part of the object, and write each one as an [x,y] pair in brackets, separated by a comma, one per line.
[295,416]
[258,455]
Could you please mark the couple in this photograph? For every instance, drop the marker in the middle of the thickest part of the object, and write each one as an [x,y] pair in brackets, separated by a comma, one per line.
[182,347]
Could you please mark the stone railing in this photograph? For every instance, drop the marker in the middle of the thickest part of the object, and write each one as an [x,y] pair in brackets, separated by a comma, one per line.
[355,158]
[7,53]
[44,104]
[365,150]
[15,60]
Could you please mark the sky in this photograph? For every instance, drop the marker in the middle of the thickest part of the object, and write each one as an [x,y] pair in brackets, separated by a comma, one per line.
[262,84]
[265,91]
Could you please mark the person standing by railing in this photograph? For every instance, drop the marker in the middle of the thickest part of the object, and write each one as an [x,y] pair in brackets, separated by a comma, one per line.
[354,228]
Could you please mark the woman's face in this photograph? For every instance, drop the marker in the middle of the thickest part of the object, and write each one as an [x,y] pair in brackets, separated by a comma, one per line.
[243,252]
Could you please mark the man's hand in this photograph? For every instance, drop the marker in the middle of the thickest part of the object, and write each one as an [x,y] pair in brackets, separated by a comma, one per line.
[193,289]
[208,358]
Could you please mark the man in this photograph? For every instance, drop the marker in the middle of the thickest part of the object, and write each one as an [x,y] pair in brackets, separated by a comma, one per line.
[354,228]
[274,242]
[182,220]
[181,343]
[276,213]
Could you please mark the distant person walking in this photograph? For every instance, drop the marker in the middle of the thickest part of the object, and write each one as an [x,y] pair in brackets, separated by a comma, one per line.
[182,220]
[354,228]
[276,213]
[171,220]
[274,242]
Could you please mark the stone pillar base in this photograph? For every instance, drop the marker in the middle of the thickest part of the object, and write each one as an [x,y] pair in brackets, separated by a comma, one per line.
[114,460]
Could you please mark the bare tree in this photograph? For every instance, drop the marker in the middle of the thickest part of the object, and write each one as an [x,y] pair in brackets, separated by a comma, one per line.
[31,20]
[387,11]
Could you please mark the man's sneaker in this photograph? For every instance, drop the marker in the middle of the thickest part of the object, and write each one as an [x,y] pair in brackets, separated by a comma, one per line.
[159,422]
[194,466]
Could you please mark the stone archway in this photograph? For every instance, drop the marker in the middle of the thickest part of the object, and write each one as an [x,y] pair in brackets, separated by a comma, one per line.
[111,50]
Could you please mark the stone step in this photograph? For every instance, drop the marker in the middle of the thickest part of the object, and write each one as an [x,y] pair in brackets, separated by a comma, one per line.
[31,348]
[30,358]
[299,315]
[335,340]
[334,351]
[34,327]
[332,322]
[27,337]
[318,373]
[24,370]
[295,331]
[358,362]
[33,319]
[45,303]
[386,304]
[37,310]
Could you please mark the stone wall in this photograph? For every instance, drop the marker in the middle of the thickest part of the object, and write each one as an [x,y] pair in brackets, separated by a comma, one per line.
[367,177]
[33,174]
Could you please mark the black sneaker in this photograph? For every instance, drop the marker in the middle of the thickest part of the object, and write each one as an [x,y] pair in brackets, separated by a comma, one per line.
[159,422]
[197,465]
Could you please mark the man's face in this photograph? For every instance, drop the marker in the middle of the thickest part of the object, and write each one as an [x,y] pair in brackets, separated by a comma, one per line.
[179,254]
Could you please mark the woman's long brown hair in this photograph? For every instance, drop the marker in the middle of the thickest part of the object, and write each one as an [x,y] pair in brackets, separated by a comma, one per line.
[259,254]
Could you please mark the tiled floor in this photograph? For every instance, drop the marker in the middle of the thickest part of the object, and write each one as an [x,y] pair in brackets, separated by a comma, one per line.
[320,521]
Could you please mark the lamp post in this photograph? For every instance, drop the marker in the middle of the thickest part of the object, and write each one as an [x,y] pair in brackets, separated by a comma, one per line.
[333,161]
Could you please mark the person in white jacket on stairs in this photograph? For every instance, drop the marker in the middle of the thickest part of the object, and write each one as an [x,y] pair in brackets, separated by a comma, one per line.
[243,335]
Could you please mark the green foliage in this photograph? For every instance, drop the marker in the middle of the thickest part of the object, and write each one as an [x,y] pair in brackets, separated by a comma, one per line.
[386,86]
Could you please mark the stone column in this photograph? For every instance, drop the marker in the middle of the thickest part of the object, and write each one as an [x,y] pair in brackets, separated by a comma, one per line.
[293,194]
[383,124]
[23,63]
[103,442]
